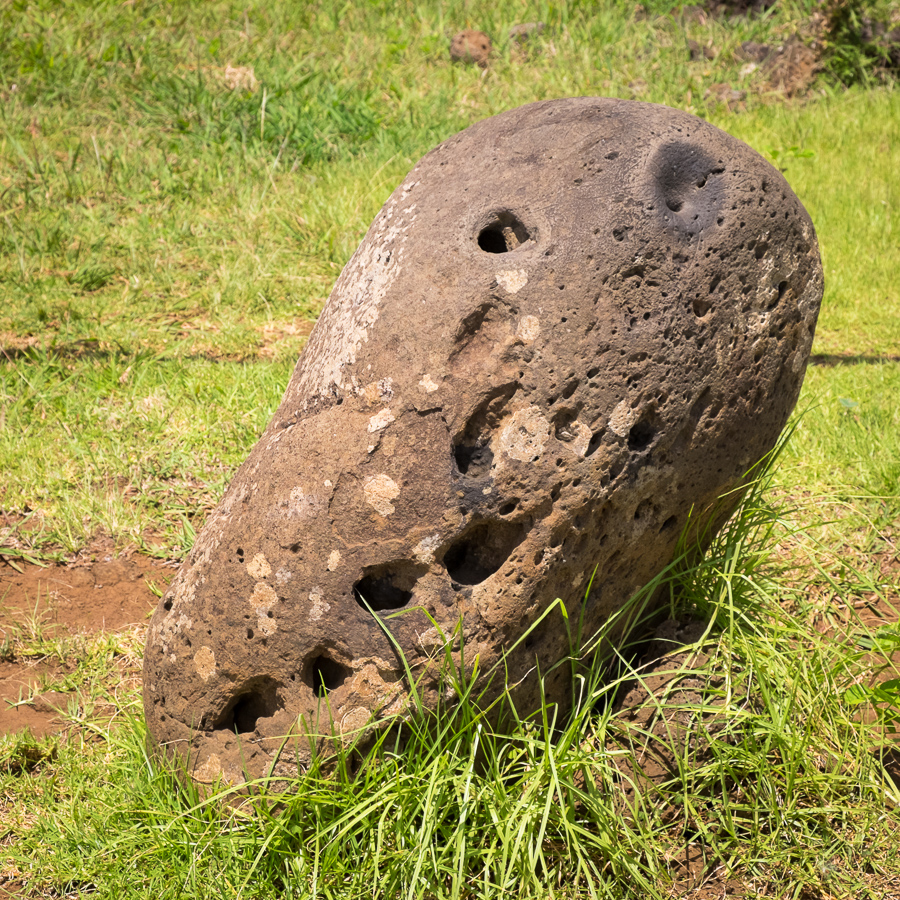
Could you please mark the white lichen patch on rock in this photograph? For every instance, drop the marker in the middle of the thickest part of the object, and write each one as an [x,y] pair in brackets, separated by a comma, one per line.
[263,596]
[354,305]
[622,418]
[258,567]
[424,550]
[529,328]
[512,280]
[525,435]
[577,437]
[379,490]
[205,663]
[353,721]
[334,560]
[318,606]
[379,391]
[428,384]
[380,420]
[262,600]
[303,504]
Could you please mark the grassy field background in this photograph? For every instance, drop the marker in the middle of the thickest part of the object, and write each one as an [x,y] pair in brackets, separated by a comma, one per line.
[180,185]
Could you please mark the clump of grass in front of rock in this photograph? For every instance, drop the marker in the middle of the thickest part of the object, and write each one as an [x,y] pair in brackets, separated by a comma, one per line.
[769,776]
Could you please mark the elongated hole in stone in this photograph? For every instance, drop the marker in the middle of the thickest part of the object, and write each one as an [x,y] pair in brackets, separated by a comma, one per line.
[327,675]
[594,443]
[471,448]
[641,435]
[502,233]
[389,586]
[481,550]
[257,700]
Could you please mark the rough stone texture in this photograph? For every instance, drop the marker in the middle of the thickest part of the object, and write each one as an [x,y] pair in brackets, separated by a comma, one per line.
[569,325]
[471,47]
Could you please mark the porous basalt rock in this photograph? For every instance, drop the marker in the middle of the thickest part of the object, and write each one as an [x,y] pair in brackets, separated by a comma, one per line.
[569,326]
[471,46]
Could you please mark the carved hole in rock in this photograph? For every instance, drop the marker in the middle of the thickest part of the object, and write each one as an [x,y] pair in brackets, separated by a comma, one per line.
[471,448]
[697,411]
[167,604]
[388,586]
[779,296]
[258,699]
[326,675]
[594,442]
[502,233]
[669,524]
[240,555]
[508,507]
[701,307]
[641,435]
[481,550]
[682,174]
[562,422]
[478,458]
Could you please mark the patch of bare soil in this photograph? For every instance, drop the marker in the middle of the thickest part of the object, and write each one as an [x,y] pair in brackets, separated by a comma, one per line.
[96,593]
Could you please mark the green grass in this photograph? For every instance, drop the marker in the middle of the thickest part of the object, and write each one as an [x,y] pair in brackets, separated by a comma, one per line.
[165,243]
[153,218]
[770,773]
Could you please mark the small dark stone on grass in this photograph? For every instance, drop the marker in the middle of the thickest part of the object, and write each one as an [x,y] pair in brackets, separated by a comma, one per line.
[519,34]
[471,47]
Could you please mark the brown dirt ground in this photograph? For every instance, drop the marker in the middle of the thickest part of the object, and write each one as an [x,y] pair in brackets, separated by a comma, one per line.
[98,592]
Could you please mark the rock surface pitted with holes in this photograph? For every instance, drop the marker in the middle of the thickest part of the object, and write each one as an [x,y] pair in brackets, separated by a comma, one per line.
[571,324]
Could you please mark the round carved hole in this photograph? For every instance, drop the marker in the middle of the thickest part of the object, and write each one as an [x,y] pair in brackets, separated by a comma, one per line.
[257,700]
[389,586]
[503,232]
[327,675]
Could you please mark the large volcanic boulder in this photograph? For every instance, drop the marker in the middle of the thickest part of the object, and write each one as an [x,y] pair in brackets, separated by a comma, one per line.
[570,325]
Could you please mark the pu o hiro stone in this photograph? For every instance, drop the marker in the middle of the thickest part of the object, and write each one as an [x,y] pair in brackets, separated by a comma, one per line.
[571,324]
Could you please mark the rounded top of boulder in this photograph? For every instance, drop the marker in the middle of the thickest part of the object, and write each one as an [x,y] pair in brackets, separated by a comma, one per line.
[603,197]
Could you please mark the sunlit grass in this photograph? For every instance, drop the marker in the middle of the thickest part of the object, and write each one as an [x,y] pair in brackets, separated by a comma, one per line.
[166,241]
[769,772]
